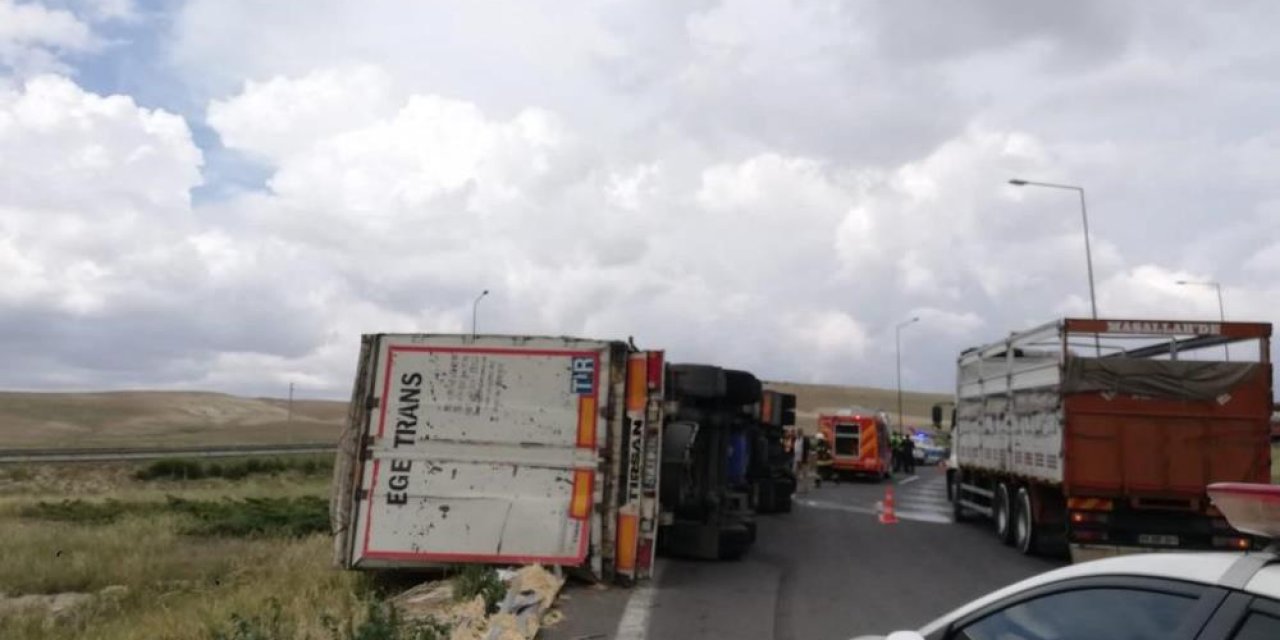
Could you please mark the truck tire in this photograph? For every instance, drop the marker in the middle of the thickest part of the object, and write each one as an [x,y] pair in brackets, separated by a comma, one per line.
[697,381]
[1024,525]
[958,511]
[1002,513]
[734,542]
[741,387]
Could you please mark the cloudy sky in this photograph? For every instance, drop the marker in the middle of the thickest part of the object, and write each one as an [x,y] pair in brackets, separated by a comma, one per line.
[224,194]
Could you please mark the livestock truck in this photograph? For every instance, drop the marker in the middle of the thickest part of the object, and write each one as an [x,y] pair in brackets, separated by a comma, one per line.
[1101,435]
[516,449]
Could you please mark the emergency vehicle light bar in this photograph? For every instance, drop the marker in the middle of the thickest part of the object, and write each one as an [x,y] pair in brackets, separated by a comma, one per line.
[1249,508]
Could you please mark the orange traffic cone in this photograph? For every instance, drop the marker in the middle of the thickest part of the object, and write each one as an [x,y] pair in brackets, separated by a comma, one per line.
[886,514]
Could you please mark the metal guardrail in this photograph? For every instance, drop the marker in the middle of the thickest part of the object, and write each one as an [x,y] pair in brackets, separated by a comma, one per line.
[12,456]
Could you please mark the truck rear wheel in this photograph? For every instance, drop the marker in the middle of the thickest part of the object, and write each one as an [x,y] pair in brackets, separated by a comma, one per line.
[1024,524]
[741,387]
[697,381]
[958,512]
[1002,514]
[735,541]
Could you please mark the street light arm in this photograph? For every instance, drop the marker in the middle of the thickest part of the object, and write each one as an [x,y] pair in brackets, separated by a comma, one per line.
[1088,251]
[474,308]
[1052,185]
[1217,286]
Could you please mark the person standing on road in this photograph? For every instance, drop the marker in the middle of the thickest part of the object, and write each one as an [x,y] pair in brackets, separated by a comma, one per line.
[800,460]
[909,454]
[895,451]
[821,458]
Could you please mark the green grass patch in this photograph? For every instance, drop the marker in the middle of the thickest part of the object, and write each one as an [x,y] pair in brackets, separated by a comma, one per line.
[85,512]
[289,517]
[479,580]
[18,474]
[235,469]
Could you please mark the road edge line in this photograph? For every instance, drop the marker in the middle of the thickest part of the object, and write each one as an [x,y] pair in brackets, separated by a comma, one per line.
[634,624]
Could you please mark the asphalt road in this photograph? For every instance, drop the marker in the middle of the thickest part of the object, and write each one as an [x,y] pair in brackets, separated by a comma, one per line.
[828,570]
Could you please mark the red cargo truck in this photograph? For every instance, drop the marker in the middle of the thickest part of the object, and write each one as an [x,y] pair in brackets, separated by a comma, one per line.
[1103,434]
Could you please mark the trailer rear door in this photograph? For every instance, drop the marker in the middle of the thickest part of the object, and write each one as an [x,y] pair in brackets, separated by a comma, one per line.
[1131,445]
[482,450]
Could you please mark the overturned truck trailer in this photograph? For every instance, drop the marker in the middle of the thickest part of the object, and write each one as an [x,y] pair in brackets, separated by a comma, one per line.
[502,450]
[560,451]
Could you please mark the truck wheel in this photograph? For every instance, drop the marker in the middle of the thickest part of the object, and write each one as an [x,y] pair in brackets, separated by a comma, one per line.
[1002,514]
[741,387]
[1024,527]
[697,381]
[958,511]
[734,542]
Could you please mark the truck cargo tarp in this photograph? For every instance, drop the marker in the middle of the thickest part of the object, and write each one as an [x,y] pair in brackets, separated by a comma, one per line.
[1178,379]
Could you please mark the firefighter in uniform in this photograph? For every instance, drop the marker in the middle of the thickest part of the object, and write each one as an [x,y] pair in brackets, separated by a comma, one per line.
[821,458]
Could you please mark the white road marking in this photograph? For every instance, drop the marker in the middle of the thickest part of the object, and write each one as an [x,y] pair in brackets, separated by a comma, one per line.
[915,516]
[634,624]
[908,480]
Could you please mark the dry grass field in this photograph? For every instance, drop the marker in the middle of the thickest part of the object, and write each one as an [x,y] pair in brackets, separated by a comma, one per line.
[161,419]
[812,399]
[93,551]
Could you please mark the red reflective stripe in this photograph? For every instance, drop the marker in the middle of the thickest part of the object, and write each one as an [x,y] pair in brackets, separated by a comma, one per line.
[655,368]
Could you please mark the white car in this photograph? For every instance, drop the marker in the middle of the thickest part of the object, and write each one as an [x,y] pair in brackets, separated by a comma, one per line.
[1152,596]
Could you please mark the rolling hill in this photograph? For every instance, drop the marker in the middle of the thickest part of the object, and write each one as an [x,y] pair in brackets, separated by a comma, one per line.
[192,418]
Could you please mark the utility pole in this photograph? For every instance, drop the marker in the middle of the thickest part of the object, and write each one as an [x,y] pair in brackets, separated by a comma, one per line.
[289,419]
[902,427]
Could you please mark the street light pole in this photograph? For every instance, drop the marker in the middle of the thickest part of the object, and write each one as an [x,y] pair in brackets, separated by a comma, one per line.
[897,337]
[1088,251]
[474,307]
[1222,313]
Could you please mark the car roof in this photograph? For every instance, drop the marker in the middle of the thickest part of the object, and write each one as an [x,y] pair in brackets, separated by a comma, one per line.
[1203,568]
[1266,582]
